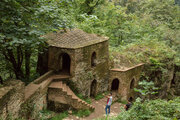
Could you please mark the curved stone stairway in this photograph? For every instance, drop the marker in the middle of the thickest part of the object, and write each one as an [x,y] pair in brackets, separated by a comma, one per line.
[60,93]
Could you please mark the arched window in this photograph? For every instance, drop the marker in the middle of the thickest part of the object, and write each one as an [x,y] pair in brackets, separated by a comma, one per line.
[115,84]
[93,59]
[132,83]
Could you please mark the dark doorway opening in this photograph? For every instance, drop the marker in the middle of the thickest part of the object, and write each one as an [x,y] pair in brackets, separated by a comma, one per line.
[93,59]
[115,84]
[132,84]
[93,88]
[65,63]
[130,99]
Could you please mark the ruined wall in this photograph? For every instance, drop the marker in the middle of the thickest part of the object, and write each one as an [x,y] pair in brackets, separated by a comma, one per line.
[85,73]
[125,78]
[36,96]
[11,98]
[35,103]
[20,101]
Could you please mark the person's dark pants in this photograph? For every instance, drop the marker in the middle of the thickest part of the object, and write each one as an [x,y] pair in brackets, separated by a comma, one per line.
[107,107]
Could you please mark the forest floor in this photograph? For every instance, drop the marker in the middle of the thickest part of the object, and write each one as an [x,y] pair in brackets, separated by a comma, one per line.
[99,111]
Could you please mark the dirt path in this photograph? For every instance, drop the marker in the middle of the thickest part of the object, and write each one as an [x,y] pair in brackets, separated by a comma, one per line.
[99,110]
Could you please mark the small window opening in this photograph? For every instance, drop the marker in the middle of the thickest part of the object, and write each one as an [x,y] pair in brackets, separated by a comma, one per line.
[132,84]
[93,59]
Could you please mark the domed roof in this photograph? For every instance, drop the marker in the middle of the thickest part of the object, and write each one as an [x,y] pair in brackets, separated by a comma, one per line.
[74,38]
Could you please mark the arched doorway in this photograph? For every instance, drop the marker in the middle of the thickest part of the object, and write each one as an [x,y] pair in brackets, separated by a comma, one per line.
[93,88]
[132,84]
[115,84]
[93,58]
[65,63]
[130,99]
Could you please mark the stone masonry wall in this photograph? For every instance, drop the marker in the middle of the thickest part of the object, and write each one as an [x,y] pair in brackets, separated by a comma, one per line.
[34,104]
[125,78]
[53,58]
[11,98]
[85,73]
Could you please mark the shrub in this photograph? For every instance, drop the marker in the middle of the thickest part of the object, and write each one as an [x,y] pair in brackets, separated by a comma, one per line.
[60,116]
[86,99]
[82,113]
[152,110]
[99,96]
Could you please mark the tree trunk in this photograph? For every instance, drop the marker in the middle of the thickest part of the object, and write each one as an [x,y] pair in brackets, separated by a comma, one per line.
[27,63]
[19,73]
[9,55]
[1,80]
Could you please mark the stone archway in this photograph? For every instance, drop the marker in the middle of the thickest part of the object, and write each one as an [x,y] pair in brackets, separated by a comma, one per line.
[93,88]
[115,84]
[132,83]
[65,63]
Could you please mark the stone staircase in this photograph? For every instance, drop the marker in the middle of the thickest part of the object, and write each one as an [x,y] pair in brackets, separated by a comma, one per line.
[60,93]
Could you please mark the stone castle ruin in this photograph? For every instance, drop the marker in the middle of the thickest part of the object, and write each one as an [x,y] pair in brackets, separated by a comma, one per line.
[77,62]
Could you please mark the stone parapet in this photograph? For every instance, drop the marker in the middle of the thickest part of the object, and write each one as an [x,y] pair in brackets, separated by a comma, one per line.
[11,98]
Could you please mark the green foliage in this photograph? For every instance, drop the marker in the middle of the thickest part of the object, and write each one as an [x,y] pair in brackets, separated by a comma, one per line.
[60,116]
[119,100]
[86,99]
[151,110]
[22,25]
[99,96]
[138,32]
[148,88]
[82,113]
[45,114]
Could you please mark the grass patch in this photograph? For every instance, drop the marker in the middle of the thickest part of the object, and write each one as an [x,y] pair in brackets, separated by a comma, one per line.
[120,101]
[82,113]
[86,99]
[45,114]
[99,96]
[60,116]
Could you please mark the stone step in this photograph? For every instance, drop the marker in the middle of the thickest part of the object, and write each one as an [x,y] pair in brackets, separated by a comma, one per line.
[76,102]
[56,85]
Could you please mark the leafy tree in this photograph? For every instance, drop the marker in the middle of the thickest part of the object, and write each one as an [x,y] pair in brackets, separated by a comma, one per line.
[88,6]
[22,24]
[148,88]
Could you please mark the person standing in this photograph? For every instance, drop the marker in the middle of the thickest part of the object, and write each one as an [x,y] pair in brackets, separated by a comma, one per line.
[108,105]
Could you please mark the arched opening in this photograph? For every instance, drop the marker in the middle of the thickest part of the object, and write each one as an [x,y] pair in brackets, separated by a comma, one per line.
[93,88]
[65,63]
[132,84]
[130,99]
[173,83]
[93,59]
[115,84]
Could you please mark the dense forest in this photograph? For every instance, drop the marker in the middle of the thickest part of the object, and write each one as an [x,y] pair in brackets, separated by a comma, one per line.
[139,31]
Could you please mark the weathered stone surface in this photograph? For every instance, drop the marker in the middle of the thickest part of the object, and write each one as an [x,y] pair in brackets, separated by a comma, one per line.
[73,39]
[81,71]
[125,78]
[11,100]
[85,73]
[61,97]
